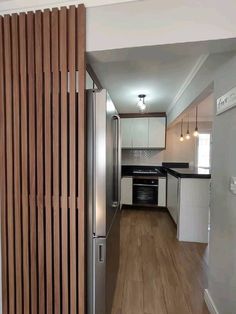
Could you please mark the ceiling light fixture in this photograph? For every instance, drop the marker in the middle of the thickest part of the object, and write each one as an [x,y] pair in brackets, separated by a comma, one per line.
[187,134]
[141,103]
[181,135]
[195,133]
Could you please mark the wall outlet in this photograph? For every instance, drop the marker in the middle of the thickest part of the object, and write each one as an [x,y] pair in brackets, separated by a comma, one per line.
[233,185]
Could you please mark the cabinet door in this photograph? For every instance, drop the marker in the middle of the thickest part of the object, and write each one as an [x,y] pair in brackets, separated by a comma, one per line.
[127,191]
[140,132]
[157,132]
[172,196]
[126,133]
[162,192]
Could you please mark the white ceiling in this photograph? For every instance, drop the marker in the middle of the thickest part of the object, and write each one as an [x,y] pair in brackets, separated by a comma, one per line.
[160,72]
[205,111]
[9,6]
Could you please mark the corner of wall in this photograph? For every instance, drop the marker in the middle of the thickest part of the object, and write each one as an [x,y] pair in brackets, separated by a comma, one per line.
[210,303]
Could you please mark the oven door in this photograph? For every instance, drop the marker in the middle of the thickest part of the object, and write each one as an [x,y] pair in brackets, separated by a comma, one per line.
[145,192]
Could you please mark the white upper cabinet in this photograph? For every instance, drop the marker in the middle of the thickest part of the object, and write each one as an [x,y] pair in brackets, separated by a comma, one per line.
[126,133]
[143,132]
[140,132]
[157,132]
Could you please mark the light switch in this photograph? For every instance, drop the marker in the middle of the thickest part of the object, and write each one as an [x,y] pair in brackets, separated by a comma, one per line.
[233,185]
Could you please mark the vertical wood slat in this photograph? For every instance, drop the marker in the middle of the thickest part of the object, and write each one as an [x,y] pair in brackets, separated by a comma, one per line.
[42,134]
[48,159]
[32,163]
[64,159]
[40,171]
[9,146]
[72,151]
[56,166]
[3,178]
[24,160]
[17,170]
[81,42]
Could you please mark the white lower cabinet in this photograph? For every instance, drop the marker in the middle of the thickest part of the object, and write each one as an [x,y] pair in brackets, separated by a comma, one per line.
[188,204]
[173,197]
[127,191]
[162,192]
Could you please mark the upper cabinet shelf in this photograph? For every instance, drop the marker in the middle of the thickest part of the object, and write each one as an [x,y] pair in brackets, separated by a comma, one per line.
[143,132]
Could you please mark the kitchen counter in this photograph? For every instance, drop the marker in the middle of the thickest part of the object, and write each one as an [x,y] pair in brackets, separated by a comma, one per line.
[144,176]
[198,173]
[129,172]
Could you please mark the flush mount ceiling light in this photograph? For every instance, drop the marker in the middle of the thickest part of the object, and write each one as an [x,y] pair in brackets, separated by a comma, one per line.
[195,133]
[181,135]
[141,103]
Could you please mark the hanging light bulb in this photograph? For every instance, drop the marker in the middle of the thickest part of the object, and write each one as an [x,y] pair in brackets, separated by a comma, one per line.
[195,133]
[141,104]
[181,135]
[188,134]
[142,107]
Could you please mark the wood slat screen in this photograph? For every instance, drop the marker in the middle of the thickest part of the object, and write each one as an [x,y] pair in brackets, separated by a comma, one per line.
[42,161]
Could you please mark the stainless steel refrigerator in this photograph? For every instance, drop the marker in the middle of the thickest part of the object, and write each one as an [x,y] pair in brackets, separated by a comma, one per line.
[103,200]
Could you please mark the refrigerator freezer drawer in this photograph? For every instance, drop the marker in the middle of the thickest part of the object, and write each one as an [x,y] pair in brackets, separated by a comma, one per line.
[105,265]
[99,284]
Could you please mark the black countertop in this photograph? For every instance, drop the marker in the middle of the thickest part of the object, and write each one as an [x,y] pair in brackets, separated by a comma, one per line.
[179,170]
[198,173]
[129,171]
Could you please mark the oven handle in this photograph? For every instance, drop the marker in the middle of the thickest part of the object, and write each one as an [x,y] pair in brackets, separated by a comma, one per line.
[140,184]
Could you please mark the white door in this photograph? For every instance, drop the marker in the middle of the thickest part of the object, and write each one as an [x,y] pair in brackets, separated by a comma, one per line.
[126,133]
[157,132]
[140,132]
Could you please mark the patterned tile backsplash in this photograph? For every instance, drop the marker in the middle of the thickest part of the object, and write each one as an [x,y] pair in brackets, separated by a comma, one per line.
[142,157]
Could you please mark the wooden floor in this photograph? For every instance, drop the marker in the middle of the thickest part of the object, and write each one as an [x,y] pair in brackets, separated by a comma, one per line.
[158,274]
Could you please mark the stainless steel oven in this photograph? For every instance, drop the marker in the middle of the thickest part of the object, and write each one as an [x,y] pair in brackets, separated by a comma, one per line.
[145,191]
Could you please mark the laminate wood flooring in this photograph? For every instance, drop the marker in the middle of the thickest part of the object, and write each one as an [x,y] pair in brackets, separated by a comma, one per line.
[158,274]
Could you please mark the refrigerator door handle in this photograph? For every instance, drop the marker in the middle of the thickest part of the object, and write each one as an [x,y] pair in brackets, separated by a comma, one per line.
[116,203]
[100,253]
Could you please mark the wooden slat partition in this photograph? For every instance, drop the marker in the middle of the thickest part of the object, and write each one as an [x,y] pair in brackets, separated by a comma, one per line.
[81,42]
[48,156]
[17,172]
[64,156]
[24,162]
[42,161]
[56,159]
[3,191]
[9,162]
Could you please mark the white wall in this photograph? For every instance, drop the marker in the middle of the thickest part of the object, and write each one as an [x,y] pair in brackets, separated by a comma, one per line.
[222,253]
[185,151]
[152,22]
[175,150]
[203,80]
[145,22]
[142,157]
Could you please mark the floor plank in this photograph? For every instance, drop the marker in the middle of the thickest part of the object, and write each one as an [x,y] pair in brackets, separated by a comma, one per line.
[157,273]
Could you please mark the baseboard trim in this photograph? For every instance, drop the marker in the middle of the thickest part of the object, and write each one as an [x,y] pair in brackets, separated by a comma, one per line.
[209,302]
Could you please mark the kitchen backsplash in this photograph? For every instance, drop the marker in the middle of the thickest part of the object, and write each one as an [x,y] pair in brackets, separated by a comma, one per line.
[142,157]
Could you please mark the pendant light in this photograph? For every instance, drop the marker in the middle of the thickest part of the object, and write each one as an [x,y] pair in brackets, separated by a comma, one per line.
[141,103]
[187,134]
[181,135]
[195,133]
